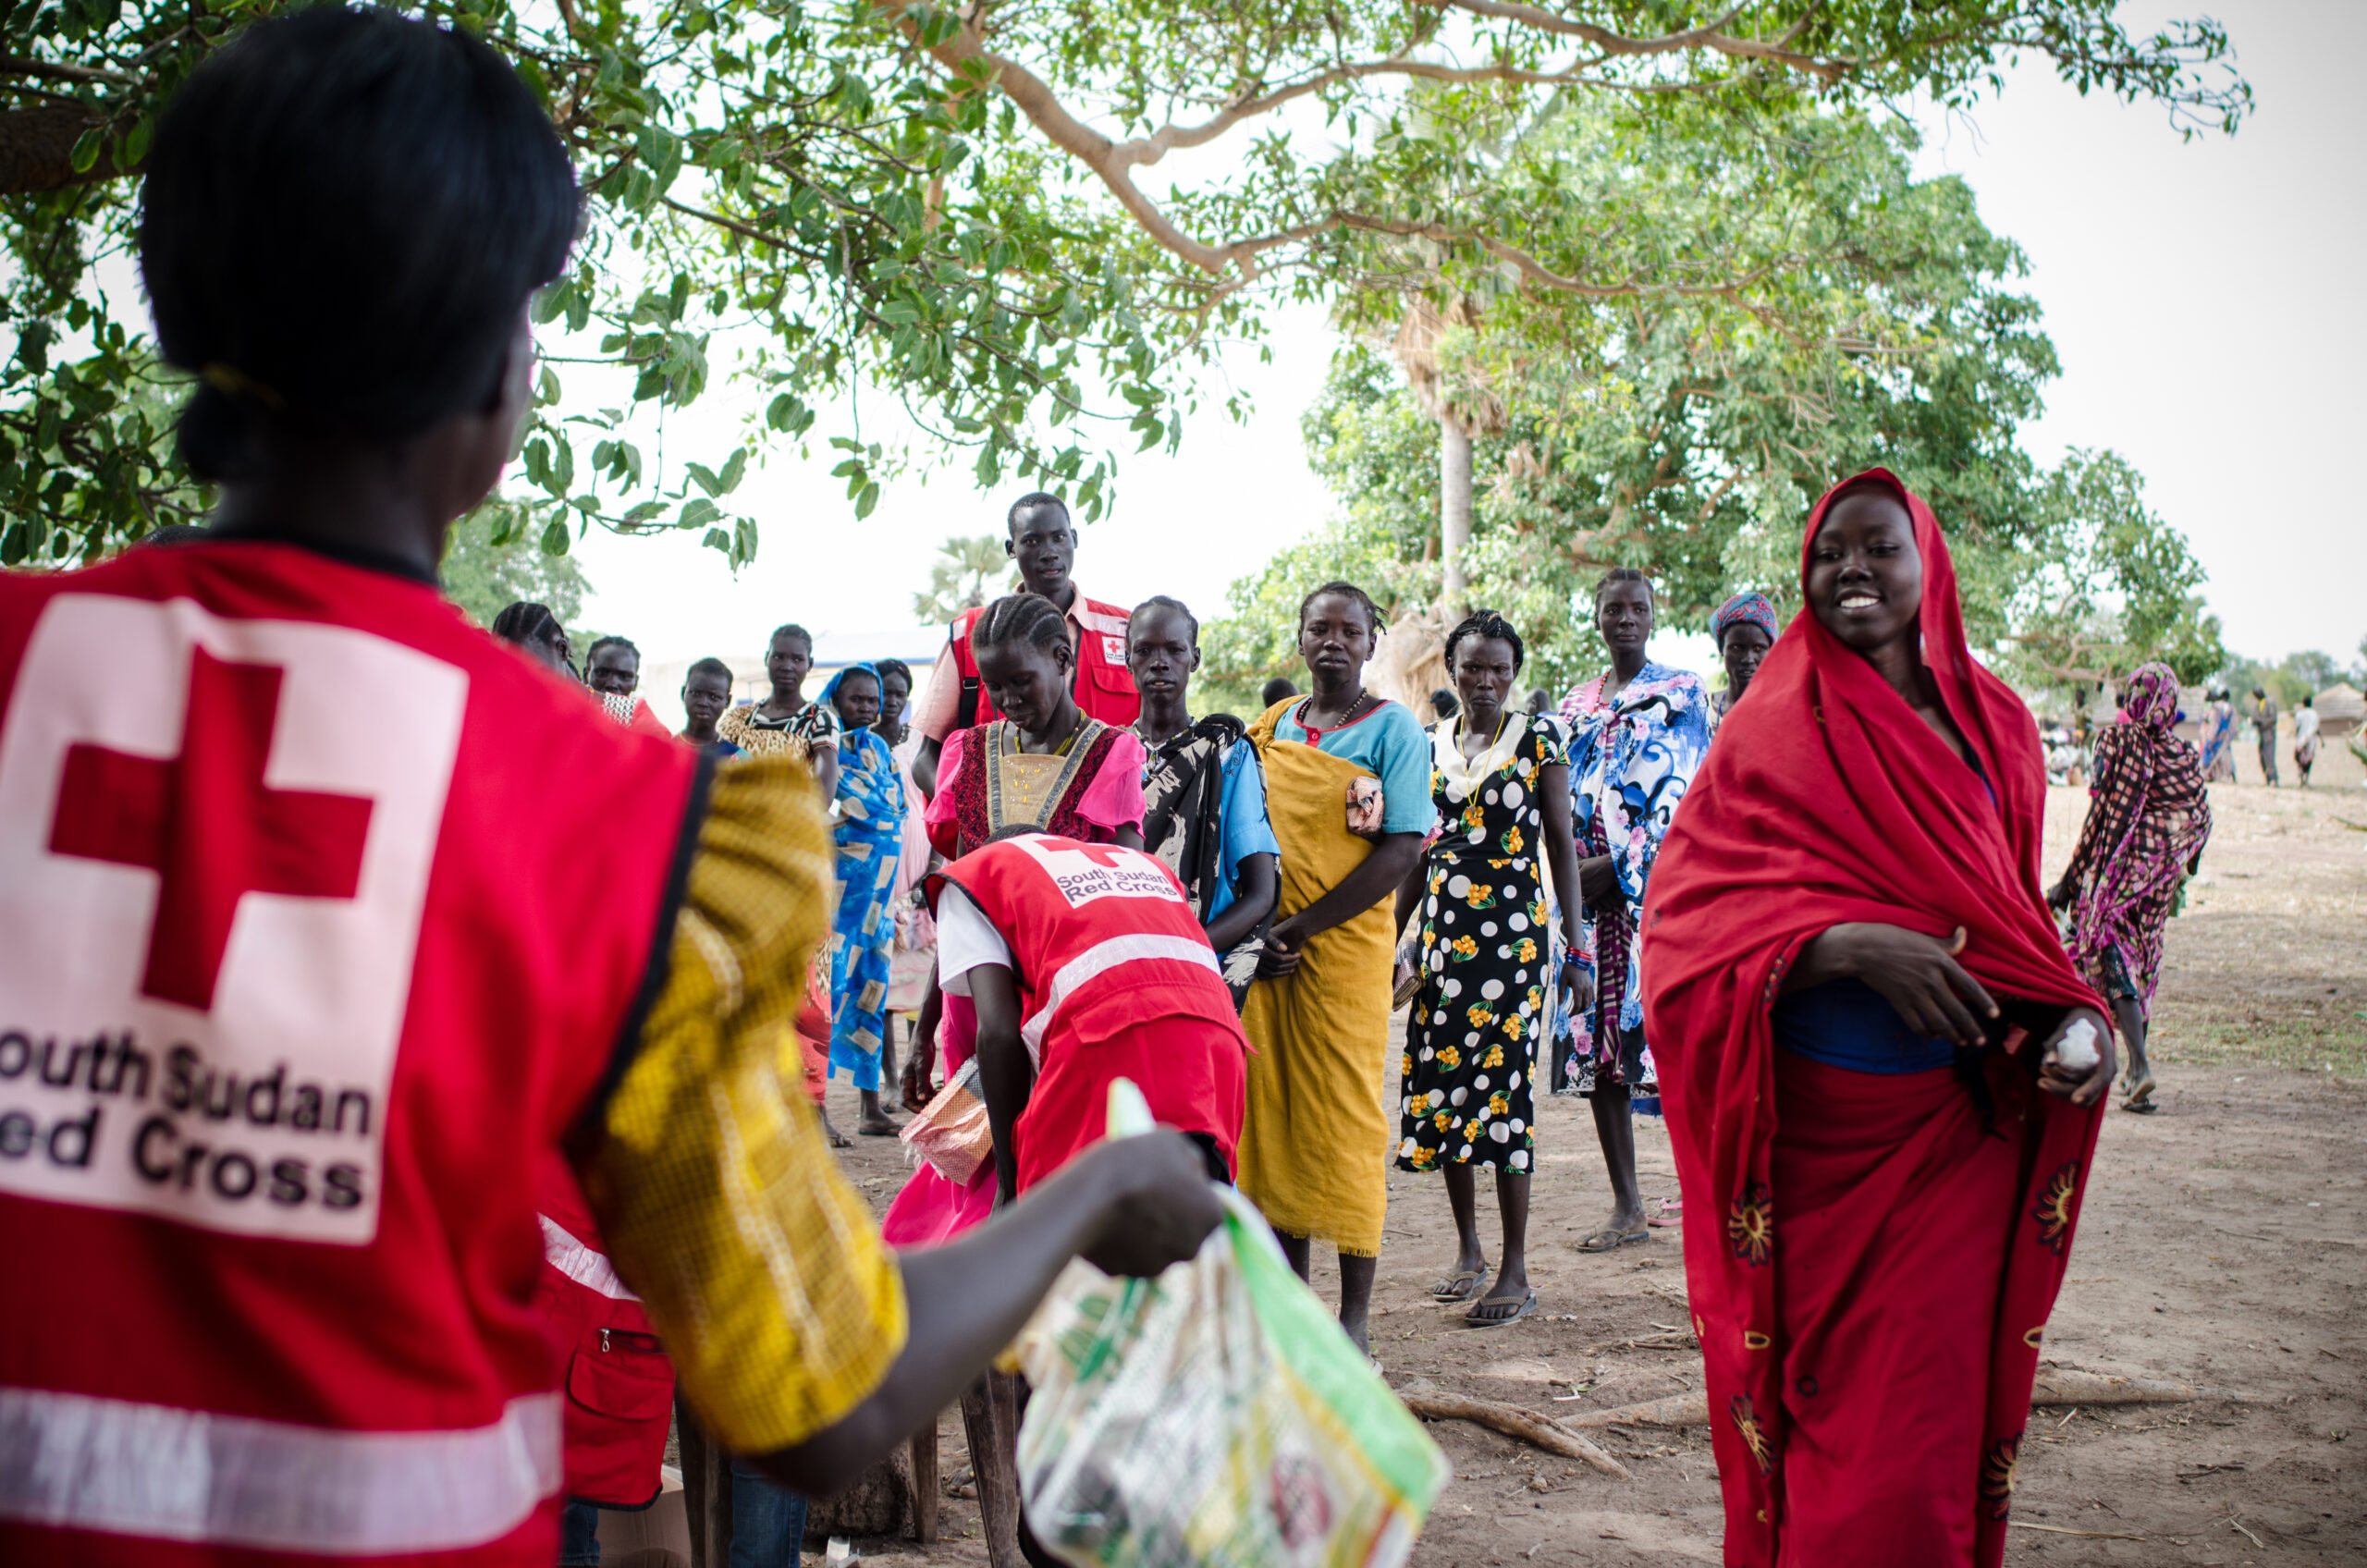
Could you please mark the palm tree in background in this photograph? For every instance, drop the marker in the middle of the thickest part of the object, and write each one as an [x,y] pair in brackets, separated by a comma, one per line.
[957,578]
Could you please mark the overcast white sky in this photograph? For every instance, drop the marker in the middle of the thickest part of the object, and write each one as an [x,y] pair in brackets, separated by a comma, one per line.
[2203,297]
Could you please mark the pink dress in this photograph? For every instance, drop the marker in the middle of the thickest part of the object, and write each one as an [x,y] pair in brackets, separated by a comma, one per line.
[931,1209]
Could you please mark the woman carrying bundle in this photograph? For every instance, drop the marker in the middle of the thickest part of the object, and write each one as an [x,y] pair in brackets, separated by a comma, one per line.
[1876,1056]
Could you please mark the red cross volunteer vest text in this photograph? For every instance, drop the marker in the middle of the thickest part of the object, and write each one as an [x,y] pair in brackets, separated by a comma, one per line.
[1105,687]
[1115,978]
[322,914]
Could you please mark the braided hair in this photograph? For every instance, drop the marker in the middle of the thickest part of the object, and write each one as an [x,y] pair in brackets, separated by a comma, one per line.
[1482,626]
[625,643]
[524,622]
[1346,591]
[1024,617]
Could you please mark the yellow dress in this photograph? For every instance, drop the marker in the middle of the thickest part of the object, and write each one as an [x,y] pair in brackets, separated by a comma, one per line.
[1315,1142]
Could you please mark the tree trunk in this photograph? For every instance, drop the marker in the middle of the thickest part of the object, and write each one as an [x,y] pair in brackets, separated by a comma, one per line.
[1454,514]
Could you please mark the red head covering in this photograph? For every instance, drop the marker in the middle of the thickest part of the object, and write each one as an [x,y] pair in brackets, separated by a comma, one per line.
[1827,800]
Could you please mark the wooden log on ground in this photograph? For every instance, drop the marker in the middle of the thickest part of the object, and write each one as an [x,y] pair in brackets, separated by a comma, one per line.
[2056,1385]
[2068,1385]
[1515,1422]
[1676,1410]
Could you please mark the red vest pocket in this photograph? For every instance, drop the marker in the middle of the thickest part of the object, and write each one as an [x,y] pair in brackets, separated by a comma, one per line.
[628,1377]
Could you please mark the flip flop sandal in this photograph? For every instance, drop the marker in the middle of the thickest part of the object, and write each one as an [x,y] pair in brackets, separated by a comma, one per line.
[880,1130]
[1610,1239]
[1526,1308]
[1672,1214]
[1458,1288]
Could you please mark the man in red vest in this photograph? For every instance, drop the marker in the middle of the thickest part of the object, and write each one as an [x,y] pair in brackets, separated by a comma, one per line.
[1086,964]
[325,917]
[1043,544]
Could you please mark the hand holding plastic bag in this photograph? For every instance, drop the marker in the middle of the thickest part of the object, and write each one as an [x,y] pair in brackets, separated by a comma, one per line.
[1214,1416]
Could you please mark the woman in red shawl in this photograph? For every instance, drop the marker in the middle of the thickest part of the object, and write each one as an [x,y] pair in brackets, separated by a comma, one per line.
[1864,1006]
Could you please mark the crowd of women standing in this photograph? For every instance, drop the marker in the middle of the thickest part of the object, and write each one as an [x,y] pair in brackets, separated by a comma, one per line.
[1799,913]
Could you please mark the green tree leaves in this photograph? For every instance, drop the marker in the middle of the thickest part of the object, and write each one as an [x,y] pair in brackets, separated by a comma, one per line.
[957,207]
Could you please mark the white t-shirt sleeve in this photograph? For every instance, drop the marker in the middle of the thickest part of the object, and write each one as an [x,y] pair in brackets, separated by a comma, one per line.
[965,940]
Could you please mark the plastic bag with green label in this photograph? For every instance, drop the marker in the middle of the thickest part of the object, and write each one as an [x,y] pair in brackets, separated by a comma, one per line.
[1214,1416]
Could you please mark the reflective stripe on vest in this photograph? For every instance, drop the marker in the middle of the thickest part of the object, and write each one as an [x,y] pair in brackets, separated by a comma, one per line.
[77,1462]
[586,1266]
[1099,959]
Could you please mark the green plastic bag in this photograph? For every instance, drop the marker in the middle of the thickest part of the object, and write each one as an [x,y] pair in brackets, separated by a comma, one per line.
[1214,1416]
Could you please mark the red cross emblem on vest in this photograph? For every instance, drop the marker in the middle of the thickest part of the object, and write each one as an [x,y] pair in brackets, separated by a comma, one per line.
[209,826]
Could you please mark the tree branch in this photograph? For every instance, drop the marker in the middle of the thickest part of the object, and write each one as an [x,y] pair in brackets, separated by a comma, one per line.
[1711,36]
[18,65]
[37,149]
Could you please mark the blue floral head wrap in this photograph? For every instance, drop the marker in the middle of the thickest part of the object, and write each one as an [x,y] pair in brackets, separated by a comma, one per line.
[1743,609]
[831,692]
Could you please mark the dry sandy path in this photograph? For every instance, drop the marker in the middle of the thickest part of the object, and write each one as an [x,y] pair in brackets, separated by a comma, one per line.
[2224,1243]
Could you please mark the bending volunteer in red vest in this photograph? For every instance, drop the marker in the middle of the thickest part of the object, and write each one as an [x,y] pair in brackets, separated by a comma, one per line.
[1086,964]
[304,967]
[1043,545]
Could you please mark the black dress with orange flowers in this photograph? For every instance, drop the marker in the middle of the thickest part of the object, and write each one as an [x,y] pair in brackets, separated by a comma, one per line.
[1486,954]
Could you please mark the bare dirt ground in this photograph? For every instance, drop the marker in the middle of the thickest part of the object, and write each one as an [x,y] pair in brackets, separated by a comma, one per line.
[2224,1244]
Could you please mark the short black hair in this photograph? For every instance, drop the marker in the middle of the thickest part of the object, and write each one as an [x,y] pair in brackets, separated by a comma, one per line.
[1022,617]
[1029,502]
[791,630]
[1444,703]
[625,643]
[894,666]
[1624,574]
[707,667]
[1482,626]
[344,213]
[1346,590]
[1160,600]
[1278,690]
[523,621]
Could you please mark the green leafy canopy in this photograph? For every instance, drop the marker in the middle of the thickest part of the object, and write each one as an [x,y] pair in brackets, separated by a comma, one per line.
[1687,432]
[790,201]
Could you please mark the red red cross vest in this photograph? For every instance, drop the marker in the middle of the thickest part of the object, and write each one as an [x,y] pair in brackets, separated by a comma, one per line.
[1116,979]
[303,966]
[1105,687]
[618,1384]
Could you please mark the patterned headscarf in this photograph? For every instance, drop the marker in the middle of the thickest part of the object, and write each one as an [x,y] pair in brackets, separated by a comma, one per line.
[2150,698]
[830,697]
[1743,609]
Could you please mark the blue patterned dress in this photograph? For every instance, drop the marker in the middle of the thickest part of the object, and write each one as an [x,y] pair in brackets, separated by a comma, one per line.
[1631,760]
[870,835]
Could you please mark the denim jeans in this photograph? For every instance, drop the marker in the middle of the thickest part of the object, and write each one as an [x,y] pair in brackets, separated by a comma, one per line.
[767,1521]
[579,1534]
